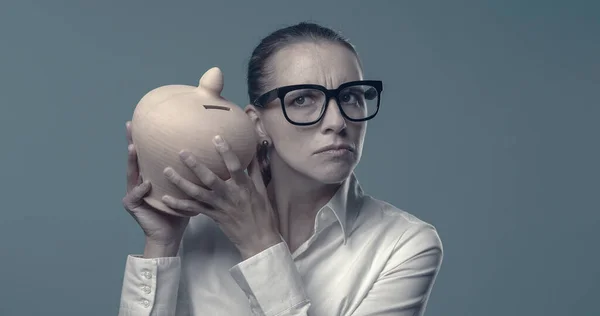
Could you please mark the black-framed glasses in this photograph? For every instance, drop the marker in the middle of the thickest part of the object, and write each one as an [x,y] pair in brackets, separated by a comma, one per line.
[306,104]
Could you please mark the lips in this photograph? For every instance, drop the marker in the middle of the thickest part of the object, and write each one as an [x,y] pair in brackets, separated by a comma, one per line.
[335,147]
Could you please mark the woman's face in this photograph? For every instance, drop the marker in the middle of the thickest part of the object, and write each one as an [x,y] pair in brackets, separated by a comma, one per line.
[299,147]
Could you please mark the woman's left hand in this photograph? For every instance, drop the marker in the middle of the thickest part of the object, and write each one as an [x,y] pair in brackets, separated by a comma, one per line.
[238,205]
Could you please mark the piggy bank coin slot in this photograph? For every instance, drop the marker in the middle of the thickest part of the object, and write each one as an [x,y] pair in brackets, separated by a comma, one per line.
[216,107]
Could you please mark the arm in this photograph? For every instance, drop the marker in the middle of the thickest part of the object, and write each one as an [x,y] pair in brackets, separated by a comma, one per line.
[152,287]
[281,293]
[402,289]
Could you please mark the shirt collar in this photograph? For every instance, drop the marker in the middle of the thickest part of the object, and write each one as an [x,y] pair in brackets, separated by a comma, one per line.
[345,204]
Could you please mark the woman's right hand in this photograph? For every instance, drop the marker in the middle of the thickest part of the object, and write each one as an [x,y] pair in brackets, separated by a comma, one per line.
[163,231]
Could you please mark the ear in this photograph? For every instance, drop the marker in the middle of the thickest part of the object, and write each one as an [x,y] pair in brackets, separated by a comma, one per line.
[254,115]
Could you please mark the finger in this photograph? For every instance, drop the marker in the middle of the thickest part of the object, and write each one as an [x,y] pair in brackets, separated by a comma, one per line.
[189,207]
[135,197]
[256,176]
[133,175]
[192,190]
[205,175]
[128,128]
[232,162]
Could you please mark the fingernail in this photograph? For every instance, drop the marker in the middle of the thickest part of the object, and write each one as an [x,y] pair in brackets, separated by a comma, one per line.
[187,157]
[167,198]
[168,172]
[218,140]
[184,154]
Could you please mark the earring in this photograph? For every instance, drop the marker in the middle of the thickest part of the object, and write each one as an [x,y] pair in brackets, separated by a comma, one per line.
[263,160]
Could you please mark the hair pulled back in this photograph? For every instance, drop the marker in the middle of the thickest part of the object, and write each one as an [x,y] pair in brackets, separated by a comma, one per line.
[259,72]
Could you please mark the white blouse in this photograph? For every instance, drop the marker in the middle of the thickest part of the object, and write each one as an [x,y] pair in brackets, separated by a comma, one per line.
[365,257]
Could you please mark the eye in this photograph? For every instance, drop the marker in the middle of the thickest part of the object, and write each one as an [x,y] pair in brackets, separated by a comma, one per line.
[300,100]
[348,98]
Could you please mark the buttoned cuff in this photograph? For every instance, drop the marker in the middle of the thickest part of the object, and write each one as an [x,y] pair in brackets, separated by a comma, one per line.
[150,285]
[271,281]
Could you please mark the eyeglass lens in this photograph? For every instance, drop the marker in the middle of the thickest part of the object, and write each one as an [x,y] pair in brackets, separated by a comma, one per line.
[306,105]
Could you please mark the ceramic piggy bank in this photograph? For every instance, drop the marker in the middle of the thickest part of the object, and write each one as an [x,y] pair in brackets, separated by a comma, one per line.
[175,117]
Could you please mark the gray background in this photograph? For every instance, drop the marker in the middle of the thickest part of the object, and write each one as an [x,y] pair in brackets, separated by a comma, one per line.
[488,130]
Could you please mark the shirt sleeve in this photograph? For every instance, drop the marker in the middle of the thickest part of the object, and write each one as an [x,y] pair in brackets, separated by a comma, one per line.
[274,286]
[151,288]
[272,283]
[403,288]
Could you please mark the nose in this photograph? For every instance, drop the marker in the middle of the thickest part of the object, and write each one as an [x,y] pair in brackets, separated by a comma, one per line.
[333,120]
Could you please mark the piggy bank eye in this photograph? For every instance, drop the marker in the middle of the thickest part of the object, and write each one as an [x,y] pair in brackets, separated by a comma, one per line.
[216,107]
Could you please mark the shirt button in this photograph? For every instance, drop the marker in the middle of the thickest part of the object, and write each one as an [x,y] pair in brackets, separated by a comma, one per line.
[146,303]
[147,275]
[146,289]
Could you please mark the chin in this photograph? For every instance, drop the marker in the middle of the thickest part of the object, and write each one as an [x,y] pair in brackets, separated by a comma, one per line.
[331,173]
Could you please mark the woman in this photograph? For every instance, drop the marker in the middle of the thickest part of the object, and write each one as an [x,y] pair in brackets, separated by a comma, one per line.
[296,235]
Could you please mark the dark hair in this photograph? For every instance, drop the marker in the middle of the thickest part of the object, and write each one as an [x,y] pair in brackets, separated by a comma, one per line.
[258,72]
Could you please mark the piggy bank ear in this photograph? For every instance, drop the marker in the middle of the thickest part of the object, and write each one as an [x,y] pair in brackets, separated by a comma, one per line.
[212,81]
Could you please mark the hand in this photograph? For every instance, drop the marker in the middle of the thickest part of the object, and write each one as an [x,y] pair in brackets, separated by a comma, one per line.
[239,205]
[163,231]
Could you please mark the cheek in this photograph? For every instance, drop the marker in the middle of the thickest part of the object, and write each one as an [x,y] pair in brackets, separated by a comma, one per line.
[357,131]
[292,142]
[289,139]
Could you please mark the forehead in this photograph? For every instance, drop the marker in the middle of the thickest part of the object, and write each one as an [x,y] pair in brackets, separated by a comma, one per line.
[326,64]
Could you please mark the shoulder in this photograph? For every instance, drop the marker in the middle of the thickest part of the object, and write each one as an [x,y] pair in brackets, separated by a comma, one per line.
[408,232]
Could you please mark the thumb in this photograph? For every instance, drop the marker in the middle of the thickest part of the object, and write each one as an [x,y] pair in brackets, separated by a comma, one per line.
[135,198]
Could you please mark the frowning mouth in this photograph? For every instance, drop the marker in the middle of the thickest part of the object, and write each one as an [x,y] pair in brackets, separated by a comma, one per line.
[339,149]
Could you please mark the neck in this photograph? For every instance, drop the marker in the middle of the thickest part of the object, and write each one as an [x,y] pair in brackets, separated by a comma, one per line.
[296,198]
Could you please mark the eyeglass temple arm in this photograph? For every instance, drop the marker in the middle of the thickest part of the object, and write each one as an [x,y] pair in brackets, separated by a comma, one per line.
[266,98]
